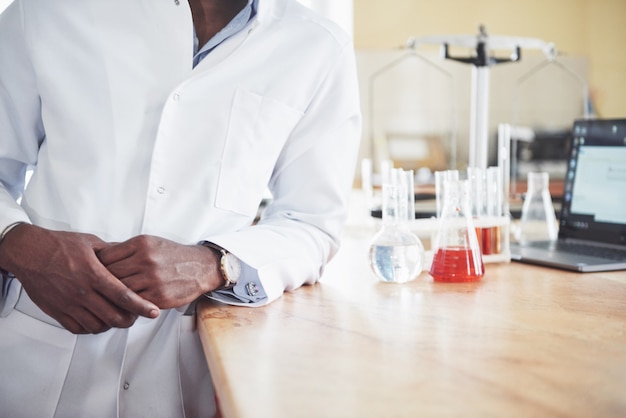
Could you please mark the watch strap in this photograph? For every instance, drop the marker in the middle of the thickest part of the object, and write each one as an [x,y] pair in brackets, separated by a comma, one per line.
[227,282]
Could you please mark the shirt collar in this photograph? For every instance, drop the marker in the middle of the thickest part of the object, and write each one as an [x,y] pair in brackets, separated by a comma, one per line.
[237,24]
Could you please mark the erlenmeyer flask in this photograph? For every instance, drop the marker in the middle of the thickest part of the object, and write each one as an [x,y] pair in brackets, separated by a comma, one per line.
[396,254]
[440,178]
[538,222]
[457,256]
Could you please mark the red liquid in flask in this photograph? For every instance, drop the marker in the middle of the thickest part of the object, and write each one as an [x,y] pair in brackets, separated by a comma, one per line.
[457,265]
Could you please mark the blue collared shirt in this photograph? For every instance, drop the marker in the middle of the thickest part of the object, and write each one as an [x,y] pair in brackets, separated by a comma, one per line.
[239,23]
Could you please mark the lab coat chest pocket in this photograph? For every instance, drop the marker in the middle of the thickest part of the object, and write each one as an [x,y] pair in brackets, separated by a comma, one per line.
[257,131]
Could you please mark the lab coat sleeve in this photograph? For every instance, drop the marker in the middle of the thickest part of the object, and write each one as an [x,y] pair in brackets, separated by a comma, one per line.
[20,131]
[299,231]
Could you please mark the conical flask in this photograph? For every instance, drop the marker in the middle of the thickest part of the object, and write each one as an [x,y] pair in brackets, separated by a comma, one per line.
[456,252]
[538,221]
[396,254]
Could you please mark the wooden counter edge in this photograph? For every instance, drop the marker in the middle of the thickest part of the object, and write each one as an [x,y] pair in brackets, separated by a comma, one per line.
[224,393]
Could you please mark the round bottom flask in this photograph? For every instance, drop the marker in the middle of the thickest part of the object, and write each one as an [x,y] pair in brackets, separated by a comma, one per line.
[396,254]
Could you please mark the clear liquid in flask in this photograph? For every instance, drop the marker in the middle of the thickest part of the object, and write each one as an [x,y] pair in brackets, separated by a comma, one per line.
[397,263]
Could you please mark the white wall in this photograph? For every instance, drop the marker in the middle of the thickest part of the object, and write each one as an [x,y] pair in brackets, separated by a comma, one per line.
[430,97]
[340,11]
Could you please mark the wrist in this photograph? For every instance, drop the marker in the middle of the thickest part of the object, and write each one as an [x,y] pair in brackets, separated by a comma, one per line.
[6,232]
[8,229]
[228,266]
[212,276]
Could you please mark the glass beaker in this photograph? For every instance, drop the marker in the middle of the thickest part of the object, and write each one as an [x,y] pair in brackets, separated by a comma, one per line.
[538,221]
[457,256]
[396,254]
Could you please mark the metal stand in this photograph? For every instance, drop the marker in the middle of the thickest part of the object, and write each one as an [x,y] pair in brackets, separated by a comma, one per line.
[481,61]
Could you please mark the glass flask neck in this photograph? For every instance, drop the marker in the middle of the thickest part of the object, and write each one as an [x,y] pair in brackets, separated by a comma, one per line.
[538,182]
[394,204]
[456,201]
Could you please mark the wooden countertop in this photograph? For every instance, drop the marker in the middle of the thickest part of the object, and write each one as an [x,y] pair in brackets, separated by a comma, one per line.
[525,341]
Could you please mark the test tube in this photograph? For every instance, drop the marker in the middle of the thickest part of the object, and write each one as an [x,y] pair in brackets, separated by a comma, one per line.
[494,191]
[410,182]
[476,177]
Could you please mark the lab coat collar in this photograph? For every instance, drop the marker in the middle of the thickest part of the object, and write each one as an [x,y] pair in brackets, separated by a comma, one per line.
[270,9]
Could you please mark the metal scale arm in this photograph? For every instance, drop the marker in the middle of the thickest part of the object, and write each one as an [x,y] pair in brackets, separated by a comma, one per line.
[481,61]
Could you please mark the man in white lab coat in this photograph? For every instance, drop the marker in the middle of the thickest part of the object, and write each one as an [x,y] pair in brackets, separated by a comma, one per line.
[153,129]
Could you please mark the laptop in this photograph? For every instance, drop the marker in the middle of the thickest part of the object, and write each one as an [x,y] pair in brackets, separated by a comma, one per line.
[592,221]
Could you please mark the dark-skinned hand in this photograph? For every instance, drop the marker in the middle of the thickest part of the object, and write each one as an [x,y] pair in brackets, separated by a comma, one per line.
[63,276]
[164,272]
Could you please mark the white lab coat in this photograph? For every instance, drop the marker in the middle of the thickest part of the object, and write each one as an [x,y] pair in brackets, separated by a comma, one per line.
[126,139]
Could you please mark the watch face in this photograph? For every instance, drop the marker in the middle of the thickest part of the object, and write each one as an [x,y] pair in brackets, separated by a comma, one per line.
[232,268]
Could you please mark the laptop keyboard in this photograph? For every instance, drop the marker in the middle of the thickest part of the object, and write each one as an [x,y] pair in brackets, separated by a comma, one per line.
[583,249]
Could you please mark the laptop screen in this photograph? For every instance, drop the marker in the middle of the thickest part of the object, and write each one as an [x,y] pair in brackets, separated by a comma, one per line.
[594,199]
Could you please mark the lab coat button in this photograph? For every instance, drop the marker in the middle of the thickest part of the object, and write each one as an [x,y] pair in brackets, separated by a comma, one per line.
[161,190]
[176,97]
[126,385]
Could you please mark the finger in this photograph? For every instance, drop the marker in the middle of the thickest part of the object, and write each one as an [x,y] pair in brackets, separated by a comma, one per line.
[108,314]
[71,324]
[99,245]
[121,261]
[115,253]
[151,290]
[80,320]
[66,320]
[123,297]
[90,322]
[138,283]
[123,269]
